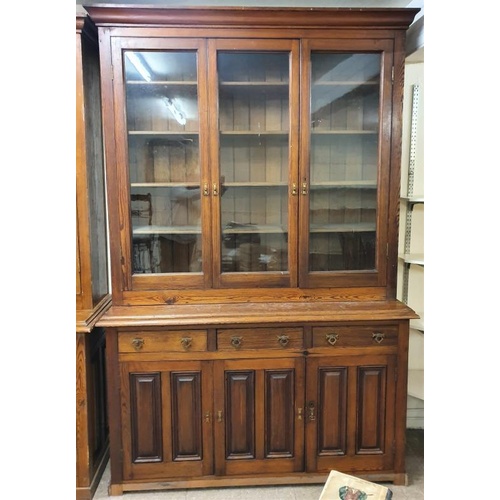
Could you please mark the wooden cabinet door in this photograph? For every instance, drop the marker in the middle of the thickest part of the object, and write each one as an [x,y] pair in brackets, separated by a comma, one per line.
[350,413]
[346,103]
[158,169]
[258,425]
[166,419]
[254,115]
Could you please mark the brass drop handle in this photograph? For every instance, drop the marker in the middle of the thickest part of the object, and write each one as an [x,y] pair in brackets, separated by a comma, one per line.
[294,189]
[219,416]
[206,191]
[236,342]
[299,413]
[311,410]
[378,337]
[186,342]
[138,343]
[283,340]
[332,338]
[215,189]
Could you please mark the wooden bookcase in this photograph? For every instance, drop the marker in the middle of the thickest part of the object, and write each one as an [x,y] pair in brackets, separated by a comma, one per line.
[92,291]
[253,169]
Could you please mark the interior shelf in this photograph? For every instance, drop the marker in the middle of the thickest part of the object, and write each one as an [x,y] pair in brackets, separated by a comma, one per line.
[413,258]
[149,230]
[413,199]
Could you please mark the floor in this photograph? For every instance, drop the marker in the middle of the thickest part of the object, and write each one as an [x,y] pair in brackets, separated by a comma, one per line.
[414,490]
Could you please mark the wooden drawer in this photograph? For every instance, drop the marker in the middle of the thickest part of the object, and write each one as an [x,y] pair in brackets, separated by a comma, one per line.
[165,341]
[238,339]
[355,336]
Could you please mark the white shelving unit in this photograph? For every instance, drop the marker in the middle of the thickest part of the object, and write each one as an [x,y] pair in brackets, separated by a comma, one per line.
[410,259]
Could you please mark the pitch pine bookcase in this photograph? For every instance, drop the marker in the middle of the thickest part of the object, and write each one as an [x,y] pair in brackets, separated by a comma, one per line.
[92,284]
[253,175]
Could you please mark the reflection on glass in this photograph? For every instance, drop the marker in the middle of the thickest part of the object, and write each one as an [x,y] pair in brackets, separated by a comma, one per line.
[343,160]
[163,154]
[254,145]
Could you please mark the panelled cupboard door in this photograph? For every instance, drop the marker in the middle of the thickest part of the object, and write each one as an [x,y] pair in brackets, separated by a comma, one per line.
[166,419]
[258,416]
[346,104]
[349,413]
[253,107]
[161,171]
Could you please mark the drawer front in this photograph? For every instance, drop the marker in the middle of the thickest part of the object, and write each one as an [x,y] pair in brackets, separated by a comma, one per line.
[238,339]
[355,336]
[165,341]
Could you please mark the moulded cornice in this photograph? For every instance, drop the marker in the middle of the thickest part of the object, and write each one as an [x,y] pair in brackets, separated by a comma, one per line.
[300,17]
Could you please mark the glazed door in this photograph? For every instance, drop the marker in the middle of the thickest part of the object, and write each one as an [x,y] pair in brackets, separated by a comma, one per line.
[345,153]
[253,106]
[350,413]
[259,426]
[161,124]
[166,419]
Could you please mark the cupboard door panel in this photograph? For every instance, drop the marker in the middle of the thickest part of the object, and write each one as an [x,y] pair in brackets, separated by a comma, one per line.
[371,403]
[145,416]
[186,416]
[279,419]
[240,415]
[167,419]
[332,411]
[350,413]
[260,429]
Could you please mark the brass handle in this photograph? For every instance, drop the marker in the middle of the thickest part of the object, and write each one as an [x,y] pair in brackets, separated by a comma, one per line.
[332,338]
[207,417]
[206,191]
[236,342]
[378,337]
[186,342]
[294,189]
[219,416]
[299,413]
[283,340]
[304,188]
[138,343]
[216,189]
[311,410]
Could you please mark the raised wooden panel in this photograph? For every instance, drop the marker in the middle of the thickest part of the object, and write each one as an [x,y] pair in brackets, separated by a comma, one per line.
[279,416]
[332,411]
[240,415]
[186,416]
[145,415]
[371,403]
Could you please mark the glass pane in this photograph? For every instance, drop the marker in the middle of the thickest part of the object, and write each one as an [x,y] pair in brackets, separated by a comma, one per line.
[343,161]
[254,145]
[164,167]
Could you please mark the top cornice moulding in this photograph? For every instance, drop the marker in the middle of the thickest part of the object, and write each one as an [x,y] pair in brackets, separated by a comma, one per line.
[300,17]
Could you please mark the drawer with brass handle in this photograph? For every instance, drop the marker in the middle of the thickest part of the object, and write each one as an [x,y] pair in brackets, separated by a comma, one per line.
[235,339]
[355,336]
[164,341]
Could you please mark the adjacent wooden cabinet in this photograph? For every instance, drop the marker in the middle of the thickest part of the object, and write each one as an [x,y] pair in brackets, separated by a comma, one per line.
[253,169]
[92,292]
